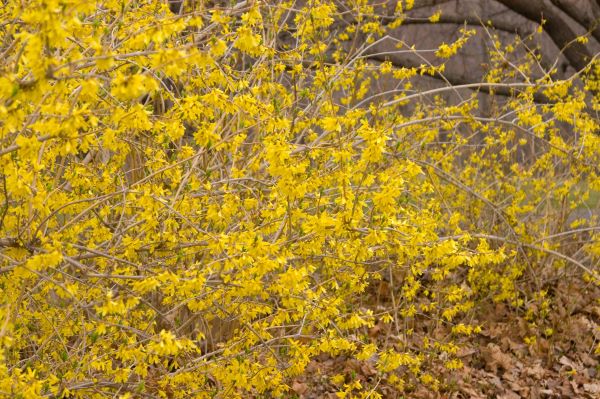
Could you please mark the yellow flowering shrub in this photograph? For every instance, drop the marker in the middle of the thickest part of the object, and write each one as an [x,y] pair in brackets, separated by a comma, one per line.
[191,206]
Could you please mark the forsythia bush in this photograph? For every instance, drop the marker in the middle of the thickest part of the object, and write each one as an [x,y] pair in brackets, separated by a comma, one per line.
[196,199]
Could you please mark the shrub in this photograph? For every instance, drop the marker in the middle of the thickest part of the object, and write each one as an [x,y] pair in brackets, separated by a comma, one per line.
[199,199]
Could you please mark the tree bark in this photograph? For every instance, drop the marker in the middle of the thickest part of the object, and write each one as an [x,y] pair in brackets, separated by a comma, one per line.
[553,22]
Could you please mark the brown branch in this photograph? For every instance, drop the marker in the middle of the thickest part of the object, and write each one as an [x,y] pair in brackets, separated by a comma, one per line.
[15,147]
[9,243]
[472,21]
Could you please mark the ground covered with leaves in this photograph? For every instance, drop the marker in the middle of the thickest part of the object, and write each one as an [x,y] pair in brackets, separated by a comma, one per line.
[498,362]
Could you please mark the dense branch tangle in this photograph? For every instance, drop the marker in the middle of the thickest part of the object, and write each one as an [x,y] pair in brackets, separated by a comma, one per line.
[198,198]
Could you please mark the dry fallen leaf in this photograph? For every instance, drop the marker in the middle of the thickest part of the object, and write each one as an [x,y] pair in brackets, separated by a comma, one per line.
[374,331]
[587,359]
[368,369]
[536,371]
[464,352]
[495,357]
[508,394]
[591,388]
[565,361]
[299,387]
